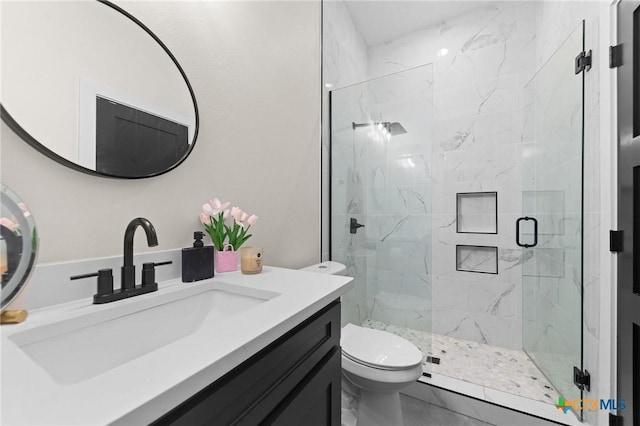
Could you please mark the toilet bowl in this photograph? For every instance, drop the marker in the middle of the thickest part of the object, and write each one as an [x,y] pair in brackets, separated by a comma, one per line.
[376,365]
[379,364]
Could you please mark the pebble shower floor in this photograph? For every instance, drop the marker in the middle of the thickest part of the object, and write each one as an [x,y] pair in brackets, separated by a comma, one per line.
[503,369]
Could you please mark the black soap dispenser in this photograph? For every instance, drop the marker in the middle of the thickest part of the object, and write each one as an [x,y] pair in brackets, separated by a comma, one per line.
[197,261]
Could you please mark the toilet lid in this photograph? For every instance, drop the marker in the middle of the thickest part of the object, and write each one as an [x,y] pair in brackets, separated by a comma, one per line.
[379,348]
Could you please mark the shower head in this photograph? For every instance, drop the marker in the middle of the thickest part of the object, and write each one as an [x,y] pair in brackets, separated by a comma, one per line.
[394,128]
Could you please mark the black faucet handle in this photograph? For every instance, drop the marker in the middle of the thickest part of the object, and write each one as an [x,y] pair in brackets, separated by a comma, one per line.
[149,272]
[105,280]
[354,225]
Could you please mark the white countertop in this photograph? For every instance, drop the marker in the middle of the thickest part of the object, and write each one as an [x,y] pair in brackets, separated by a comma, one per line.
[143,389]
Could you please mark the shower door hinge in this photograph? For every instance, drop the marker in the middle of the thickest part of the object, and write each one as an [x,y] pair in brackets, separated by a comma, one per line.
[583,62]
[615,56]
[616,241]
[581,379]
[615,420]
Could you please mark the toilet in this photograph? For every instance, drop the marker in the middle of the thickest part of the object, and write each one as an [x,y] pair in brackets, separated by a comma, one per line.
[376,365]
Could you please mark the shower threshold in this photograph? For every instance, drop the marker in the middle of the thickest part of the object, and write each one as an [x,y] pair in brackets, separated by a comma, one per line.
[506,370]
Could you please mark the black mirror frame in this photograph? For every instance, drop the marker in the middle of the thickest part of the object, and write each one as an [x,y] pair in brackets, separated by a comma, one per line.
[22,133]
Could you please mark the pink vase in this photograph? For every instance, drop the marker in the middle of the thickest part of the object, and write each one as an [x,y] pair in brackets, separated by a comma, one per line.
[226,260]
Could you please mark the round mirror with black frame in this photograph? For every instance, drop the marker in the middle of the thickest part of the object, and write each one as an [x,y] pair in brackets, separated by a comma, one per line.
[90,86]
[18,245]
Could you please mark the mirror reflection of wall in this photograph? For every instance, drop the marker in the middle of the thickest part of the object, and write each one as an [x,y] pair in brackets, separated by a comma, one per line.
[53,93]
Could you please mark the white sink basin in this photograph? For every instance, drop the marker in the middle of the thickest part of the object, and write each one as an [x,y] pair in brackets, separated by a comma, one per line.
[103,337]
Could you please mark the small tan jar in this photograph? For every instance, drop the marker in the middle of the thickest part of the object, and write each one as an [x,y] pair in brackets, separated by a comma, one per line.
[251,260]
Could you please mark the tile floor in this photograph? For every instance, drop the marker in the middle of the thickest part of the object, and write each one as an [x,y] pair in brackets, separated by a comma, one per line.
[420,413]
[498,368]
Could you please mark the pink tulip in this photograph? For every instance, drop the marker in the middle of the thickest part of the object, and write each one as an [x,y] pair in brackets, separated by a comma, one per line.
[217,205]
[204,219]
[225,214]
[238,215]
[234,210]
[208,210]
[244,217]
[252,219]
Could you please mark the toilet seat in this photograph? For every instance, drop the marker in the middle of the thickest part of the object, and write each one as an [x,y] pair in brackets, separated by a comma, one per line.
[370,365]
[378,349]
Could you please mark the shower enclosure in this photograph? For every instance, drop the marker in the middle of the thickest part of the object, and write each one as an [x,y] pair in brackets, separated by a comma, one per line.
[462,237]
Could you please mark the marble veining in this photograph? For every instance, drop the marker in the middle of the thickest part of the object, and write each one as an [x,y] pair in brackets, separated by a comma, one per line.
[477,259]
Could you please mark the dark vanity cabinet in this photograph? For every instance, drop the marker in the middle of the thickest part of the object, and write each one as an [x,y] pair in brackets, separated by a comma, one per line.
[293,381]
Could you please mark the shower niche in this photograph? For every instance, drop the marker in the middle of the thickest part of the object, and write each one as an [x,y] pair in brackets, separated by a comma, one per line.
[478,259]
[477,213]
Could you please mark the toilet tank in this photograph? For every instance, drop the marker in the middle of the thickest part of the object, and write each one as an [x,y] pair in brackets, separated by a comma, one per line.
[329,267]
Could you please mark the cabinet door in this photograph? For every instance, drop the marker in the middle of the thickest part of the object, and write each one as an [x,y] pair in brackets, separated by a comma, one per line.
[316,400]
[258,387]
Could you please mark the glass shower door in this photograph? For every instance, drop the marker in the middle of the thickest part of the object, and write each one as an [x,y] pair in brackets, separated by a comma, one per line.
[381,179]
[550,230]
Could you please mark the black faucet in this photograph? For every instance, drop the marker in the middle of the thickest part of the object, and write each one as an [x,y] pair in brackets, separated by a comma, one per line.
[128,286]
[128,277]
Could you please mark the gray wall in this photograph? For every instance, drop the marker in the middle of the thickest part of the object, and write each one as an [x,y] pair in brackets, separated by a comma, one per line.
[255,70]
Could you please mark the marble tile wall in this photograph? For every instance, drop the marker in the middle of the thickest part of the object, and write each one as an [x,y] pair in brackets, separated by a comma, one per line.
[399,202]
[344,60]
[382,180]
[348,197]
[481,60]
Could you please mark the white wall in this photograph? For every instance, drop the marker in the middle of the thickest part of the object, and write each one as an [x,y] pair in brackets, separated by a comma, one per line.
[255,70]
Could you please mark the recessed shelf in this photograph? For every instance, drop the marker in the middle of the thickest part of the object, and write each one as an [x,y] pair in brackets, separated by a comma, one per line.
[477,212]
[479,259]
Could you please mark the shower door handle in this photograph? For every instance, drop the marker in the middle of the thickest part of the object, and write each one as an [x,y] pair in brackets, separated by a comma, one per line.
[535,231]
[354,225]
